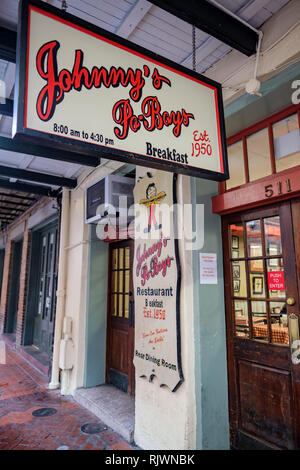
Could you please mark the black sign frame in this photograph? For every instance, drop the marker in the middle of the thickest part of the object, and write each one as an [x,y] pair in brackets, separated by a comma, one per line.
[20,131]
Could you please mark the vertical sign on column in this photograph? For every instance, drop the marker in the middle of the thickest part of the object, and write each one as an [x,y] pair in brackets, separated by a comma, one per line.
[156,274]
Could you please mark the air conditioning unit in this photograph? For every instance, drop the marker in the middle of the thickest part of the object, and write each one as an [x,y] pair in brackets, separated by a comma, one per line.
[109,198]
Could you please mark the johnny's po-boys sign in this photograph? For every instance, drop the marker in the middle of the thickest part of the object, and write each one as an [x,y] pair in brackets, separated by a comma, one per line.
[83,86]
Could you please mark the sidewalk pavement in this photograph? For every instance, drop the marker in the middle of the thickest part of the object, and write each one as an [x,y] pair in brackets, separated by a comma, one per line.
[24,390]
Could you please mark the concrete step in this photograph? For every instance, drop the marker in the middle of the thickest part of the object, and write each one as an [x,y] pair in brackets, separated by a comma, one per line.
[112,406]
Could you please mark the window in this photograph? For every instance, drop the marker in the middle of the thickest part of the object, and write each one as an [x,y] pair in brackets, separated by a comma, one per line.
[236,165]
[268,147]
[286,136]
[258,286]
[258,150]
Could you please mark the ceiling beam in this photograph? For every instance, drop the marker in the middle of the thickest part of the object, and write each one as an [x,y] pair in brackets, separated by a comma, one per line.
[7,210]
[28,188]
[14,203]
[7,217]
[18,146]
[38,177]
[134,17]
[213,21]
[17,196]
[8,41]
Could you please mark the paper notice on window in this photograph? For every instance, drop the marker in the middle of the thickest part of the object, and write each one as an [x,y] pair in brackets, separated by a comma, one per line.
[208,268]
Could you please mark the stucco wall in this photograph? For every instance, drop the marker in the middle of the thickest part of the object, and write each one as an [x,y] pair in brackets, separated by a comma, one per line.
[210,339]
[78,274]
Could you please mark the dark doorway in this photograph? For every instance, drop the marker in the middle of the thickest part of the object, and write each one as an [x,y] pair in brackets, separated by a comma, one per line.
[46,289]
[14,288]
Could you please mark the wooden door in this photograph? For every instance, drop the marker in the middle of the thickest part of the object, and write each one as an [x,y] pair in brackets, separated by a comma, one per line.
[120,321]
[260,281]
[44,319]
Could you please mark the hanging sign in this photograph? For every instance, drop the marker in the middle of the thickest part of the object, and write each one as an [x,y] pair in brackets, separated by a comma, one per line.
[156,277]
[84,88]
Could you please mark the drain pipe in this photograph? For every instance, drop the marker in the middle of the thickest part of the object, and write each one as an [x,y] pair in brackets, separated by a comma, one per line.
[61,287]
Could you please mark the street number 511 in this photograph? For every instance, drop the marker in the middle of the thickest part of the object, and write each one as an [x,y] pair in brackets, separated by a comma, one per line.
[271,191]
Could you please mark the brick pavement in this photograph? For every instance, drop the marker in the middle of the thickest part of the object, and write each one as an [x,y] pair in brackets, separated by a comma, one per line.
[23,390]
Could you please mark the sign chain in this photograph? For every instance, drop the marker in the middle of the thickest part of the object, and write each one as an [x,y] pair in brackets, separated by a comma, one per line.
[194,47]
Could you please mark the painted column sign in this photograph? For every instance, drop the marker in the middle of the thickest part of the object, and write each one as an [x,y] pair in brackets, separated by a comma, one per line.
[156,275]
[80,85]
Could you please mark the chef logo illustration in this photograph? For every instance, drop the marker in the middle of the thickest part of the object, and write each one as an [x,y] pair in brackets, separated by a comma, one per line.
[152,199]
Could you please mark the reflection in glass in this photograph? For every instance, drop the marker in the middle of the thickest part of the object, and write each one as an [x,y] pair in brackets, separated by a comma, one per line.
[259,321]
[259,160]
[279,323]
[237,240]
[241,318]
[236,165]
[254,238]
[273,236]
[239,278]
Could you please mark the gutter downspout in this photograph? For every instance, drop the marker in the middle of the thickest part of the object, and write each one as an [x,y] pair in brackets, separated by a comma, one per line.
[61,288]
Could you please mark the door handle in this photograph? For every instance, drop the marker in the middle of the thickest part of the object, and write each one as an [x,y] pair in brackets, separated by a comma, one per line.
[131,314]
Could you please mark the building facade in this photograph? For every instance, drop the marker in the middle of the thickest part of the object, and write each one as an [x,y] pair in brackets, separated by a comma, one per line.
[69,297]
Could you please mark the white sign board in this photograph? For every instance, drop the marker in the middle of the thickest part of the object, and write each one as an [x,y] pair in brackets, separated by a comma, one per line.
[80,85]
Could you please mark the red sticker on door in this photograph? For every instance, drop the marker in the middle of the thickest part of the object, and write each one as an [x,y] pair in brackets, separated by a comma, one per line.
[276,280]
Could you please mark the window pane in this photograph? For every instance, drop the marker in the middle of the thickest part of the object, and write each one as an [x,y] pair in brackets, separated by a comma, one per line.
[259,160]
[257,280]
[236,165]
[120,305]
[273,236]
[121,281]
[276,280]
[259,321]
[237,241]
[279,325]
[287,143]
[114,305]
[127,280]
[254,238]
[126,306]
[127,258]
[115,259]
[241,318]
[239,279]
[115,281]
[121,258]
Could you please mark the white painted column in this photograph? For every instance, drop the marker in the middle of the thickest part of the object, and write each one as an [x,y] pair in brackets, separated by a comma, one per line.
[166,420]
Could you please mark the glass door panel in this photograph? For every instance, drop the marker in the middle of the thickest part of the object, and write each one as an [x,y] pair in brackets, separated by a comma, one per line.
[258,280]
